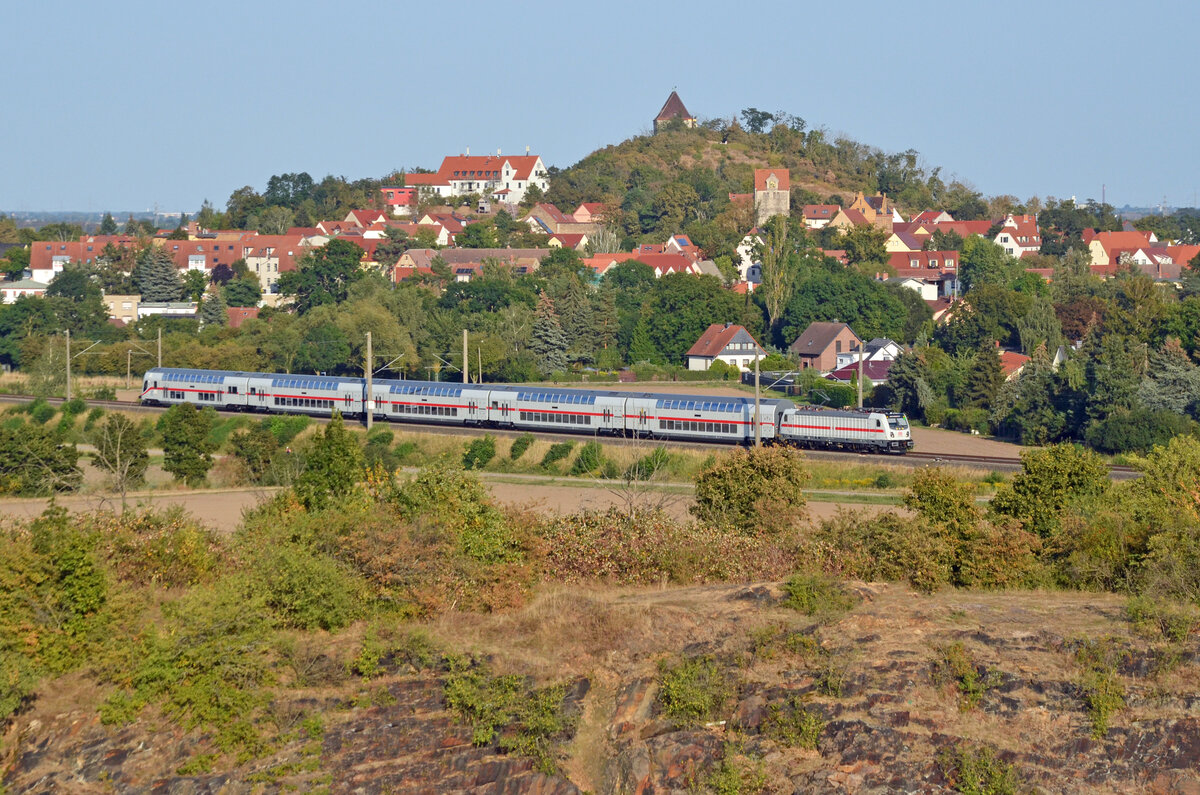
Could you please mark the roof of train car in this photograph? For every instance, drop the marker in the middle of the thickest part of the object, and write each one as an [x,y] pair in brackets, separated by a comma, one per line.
[321,379]
[846,412]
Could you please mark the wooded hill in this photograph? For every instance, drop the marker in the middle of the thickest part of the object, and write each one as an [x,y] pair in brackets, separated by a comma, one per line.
[679,179]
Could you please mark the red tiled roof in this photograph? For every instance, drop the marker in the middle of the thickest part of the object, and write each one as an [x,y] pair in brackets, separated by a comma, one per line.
[1011,362]
[818,212]
[240,314]
[874,370]
[761,175]
[741,198]
[673,109]
[714,340]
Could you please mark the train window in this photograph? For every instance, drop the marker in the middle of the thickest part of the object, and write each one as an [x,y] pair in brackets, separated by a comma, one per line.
[878,424]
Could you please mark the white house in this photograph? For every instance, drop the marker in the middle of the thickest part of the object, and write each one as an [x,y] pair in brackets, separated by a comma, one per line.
[502,179]
[11,291]
[725,342]
[1019,235]
[880,349]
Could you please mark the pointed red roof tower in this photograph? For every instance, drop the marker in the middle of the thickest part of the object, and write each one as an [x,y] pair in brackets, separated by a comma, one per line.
[674,109]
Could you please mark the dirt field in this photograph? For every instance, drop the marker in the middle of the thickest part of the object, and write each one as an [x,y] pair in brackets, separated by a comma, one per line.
[930,440]
[222,509]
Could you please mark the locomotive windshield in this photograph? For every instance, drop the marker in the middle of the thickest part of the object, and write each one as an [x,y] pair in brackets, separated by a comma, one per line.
[897,423]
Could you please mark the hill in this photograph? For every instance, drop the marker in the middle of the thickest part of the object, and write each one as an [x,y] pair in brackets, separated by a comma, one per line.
[680,179]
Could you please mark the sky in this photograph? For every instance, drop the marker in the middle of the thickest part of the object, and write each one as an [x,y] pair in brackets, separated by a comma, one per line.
[137,106]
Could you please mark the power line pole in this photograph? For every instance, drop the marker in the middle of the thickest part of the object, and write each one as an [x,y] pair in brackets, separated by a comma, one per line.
[861,355]
[479,364]
[160,346]
[757,421]
[68,333]
[465,355]
[369,403]
[128,366]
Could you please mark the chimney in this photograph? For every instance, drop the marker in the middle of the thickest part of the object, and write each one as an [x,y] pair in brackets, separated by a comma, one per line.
[468,151]
[526,151]
[497,151]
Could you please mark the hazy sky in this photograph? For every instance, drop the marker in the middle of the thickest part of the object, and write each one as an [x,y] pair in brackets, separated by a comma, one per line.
[128,106]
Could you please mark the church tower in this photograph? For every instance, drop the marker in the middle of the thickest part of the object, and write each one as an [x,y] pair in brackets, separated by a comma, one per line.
[772,194]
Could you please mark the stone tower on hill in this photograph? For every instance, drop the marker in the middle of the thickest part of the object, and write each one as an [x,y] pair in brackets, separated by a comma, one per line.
[674,109]
[772,194]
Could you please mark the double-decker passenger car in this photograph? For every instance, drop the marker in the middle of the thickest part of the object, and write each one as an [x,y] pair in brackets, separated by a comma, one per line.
[536,408]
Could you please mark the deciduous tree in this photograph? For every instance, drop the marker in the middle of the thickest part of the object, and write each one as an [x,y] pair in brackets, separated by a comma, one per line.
[187,450]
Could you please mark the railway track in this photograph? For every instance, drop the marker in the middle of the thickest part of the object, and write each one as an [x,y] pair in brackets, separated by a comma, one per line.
[913,458]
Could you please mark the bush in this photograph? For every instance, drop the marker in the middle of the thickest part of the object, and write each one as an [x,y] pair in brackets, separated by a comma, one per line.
[255,448]
[649,465]
[753,490]
[333,467]
[505,709]
[589,460]
[479,452]
[1102,689]
[556,453]
[286,427]
[693,692]
[187,450]
[520,445]
[651,547]
[955,665]
[792,725]
[40,411]
[884,547]
[166,548]
[1136,430]
[971,419]
[1172,621]
[1049,479]
[817,595]
[74,407]
[305,590]
[975,770]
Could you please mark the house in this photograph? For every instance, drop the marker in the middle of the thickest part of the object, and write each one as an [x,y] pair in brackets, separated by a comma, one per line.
[47,258]
[503,179]
[400,201]
[1019,235]
[1012,363]
[240,314]
[11,291]
[573,242]
[673,109]
[724,342]
[365,218]
[549,220]
[873,373]
[1103,245]
[817,216]
[845,219]
[880,349]
[467,263]
[663,264]
[820,344]
[267,256]
[938,269]
[932,217]
[176,309]
[926,288]
[122,307]
[878,210]
[772,194]
[589,213]
[902,241]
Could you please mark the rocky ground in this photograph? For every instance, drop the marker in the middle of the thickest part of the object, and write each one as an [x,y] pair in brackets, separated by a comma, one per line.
[886,704]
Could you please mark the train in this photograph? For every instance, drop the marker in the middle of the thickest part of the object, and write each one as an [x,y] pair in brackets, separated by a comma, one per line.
[703,418]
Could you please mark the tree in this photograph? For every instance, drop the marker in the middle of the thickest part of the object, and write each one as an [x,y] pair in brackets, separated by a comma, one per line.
[984,379]
[549,343]
[242,292]
[156,277]
[865,245]
[1172,382]
[121,453]
[1040,326]
[243,205]
[753,489]
[108,225]
[212,311]
[756,120]
[255,448]
[983,262]
[187,450]
[908,384]
[477,235]
[194,284]
[779,268]
[333,467]
[35,460]
[275,220]
[324,349]
[1049,479]
[323,275]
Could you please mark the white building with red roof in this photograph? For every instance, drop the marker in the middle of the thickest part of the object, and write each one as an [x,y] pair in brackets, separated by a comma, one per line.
[500,178]
[1019,235]
[724,342]
[818,216]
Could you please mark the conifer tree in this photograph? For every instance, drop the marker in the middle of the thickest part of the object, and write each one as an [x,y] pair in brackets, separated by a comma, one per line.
[108,226]
[212,310]
[984,379]
[156,277]
[549,342]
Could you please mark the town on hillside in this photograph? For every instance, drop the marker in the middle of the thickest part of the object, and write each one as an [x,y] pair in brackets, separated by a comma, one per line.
[824,291]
